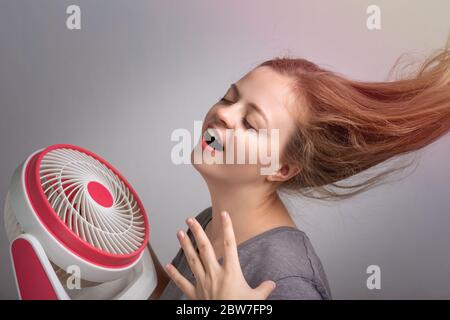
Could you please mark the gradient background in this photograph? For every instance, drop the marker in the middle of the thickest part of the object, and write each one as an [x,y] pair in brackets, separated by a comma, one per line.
[138,69]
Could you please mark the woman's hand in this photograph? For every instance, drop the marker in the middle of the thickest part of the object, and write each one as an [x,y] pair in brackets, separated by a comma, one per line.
[214,281]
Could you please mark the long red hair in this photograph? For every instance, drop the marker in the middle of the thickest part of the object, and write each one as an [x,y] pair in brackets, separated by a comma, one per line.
[347,126]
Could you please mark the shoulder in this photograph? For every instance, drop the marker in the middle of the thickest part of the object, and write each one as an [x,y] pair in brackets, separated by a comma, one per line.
[281,251]
[286,256]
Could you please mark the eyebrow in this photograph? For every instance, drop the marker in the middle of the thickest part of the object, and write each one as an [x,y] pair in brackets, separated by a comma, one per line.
[252,105]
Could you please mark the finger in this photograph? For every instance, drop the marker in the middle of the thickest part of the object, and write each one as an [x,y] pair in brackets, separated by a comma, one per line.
[204,246]
[231,258]
[181,282]
[265,289]
[191,256]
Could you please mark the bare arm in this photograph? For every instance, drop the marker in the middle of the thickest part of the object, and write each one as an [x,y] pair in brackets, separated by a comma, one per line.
[163,278]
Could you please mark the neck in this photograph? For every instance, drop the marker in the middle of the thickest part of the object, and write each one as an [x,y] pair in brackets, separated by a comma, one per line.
[252,210]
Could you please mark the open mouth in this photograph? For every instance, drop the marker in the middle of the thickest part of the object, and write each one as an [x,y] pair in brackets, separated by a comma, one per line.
[212,139]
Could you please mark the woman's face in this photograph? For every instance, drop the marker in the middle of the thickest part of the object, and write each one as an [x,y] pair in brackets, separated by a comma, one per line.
[262,99]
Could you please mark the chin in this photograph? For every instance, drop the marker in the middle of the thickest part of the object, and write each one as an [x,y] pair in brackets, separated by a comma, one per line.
[208,170]
[231,174]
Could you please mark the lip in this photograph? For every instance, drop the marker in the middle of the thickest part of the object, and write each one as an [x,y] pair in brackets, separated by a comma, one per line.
[216,130]
[207,146]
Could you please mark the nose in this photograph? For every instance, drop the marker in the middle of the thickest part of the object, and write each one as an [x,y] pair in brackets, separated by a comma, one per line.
[227,116]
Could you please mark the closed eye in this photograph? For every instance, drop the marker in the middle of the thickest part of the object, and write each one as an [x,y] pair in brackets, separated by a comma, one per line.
[247,124]
[225,100]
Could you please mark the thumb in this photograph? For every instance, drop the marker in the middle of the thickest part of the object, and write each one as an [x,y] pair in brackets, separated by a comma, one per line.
[265,288]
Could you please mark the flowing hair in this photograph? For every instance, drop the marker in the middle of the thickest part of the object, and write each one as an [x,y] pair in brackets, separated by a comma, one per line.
[346,126]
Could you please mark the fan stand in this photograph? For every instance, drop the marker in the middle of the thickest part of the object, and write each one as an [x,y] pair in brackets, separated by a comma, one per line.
[36,279]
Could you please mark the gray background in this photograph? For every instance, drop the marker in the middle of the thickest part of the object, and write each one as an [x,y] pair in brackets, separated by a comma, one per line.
[137,70]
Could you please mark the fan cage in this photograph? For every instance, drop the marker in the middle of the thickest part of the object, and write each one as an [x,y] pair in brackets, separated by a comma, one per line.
[64,176]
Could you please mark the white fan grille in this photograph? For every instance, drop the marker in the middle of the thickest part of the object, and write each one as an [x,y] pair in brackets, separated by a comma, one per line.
[65,174]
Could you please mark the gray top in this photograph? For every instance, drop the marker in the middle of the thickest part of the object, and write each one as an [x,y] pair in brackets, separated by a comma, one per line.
[283,254]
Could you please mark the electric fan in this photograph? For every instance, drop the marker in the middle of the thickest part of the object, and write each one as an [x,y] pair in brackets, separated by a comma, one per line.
[77,229]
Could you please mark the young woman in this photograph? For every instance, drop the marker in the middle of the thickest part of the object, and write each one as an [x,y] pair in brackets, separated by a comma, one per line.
[246,245]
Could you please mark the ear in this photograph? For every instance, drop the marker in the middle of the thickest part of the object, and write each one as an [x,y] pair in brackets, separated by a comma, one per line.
[284,173]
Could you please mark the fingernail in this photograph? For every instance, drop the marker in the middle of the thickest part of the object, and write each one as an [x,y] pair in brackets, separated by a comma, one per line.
[189,221]
[168,266]
[224,214]
[180,234]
